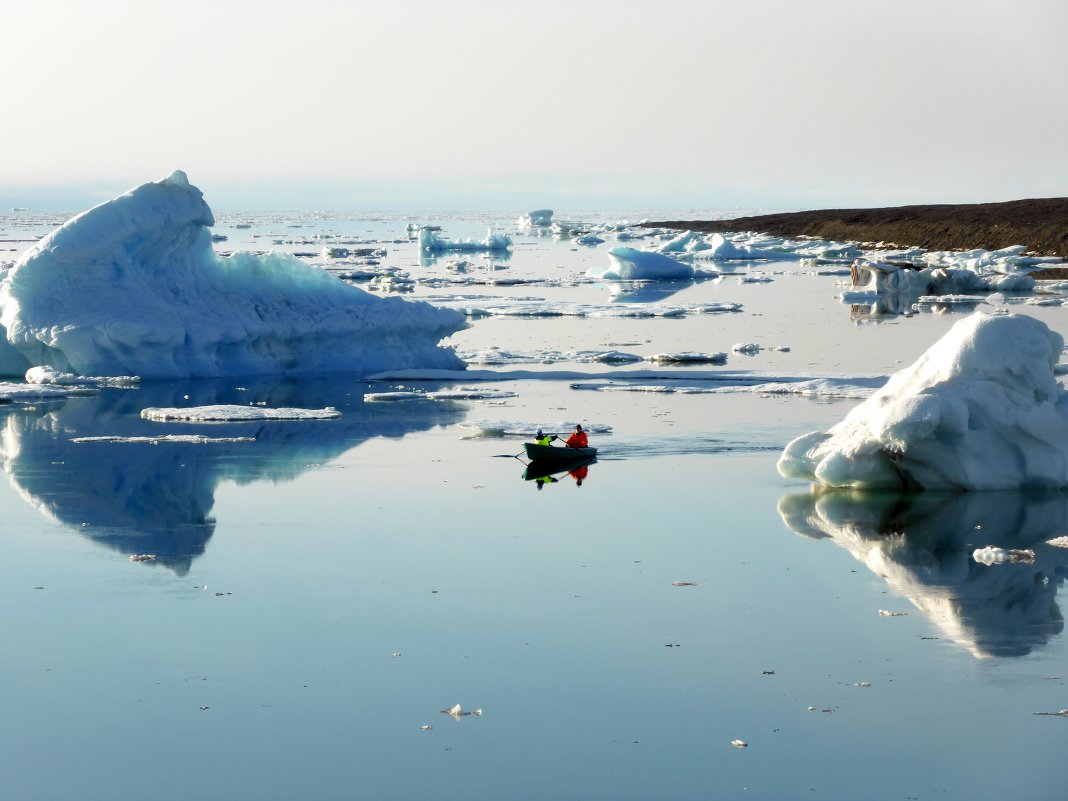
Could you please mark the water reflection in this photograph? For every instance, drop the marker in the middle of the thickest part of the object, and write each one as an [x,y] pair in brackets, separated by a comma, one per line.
[646,291]
[921,544]
[140,497]
[545,472]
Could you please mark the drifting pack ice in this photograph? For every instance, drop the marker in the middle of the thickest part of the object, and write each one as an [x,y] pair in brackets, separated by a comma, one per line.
[981,410]
[133,287]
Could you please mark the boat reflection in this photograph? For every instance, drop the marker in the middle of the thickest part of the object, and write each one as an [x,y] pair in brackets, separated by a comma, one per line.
[143,497]
[551,471]
[921,544]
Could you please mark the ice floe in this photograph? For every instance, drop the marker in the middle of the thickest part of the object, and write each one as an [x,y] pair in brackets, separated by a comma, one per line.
[133,287]
[981,410]
[50,375]
[460,393]
[229,413]
[185,439]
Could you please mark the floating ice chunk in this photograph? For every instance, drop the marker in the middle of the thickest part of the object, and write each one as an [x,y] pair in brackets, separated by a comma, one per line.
[470,393]
[722,249]
[687,357]
[739,744]
[133,287]
[748,348]
[539,217]
[231,413]
[430,242]
[50,375]
[1058,542]
[980,410]
[32,392]
[589,240]
[143,557]
[397,395]
[991,555]
[185,439]
[630,264]
[680,243]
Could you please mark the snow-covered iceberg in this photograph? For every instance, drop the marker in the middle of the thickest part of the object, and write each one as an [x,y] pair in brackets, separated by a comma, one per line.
[630,264]
[981,410]
[133,287]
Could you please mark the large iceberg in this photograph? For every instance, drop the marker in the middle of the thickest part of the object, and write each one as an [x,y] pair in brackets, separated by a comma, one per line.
[133,287]
[981,410]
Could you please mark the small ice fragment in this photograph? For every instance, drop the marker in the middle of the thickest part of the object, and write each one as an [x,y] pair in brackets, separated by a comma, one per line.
[862,684]
[1058,542]
[395,654]
[478,712]
[812,709]
[996,556]
[684,584]
[889,613]
[739,744]
[455,712]
[748,348]
[143,557]
[425,727]
[767,673]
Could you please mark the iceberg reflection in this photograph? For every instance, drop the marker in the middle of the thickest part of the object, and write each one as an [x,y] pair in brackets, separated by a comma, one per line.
[139,497]
[921,544]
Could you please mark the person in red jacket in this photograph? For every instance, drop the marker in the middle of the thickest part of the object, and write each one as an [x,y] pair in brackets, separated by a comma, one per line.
[577,439]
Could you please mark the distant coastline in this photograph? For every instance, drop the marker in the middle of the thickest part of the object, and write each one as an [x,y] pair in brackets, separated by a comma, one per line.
[1041,224]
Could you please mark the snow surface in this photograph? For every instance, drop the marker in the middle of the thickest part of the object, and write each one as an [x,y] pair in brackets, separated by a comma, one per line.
[981,410]
[133,287]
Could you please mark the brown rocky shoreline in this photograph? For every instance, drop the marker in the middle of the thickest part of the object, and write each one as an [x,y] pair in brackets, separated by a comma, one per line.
[1041,224]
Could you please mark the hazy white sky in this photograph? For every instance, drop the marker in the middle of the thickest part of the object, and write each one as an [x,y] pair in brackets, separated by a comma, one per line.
[574,104]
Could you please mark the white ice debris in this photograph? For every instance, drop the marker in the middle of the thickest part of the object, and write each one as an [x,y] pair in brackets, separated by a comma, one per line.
[630,264]
[224,413]
[981,410]
[1058,542]
[133,287]
[539,217]
[50,375]
[32,392]
[747,348]
[184,439]
[991,555]
[880,278]
[431,243]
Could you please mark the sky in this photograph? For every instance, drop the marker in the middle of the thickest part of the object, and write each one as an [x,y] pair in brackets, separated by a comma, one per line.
[576,104]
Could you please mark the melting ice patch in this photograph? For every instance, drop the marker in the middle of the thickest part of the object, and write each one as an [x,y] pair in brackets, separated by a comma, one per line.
[133,287]
[981,410]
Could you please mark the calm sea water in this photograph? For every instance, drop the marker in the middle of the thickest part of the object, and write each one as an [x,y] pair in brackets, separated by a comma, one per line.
[321,594]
